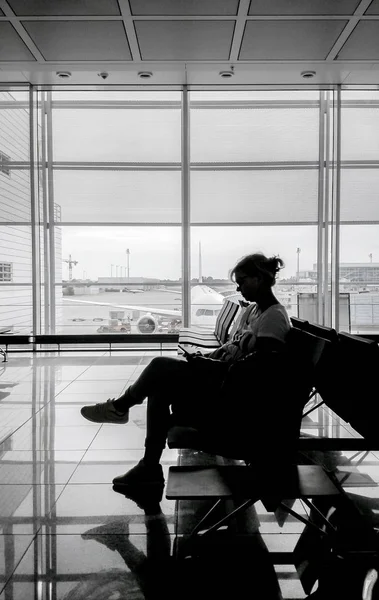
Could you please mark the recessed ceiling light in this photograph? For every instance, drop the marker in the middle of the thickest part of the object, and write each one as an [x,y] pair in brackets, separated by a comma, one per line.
[226,74]
[308,74]
[63,74]
[145,74]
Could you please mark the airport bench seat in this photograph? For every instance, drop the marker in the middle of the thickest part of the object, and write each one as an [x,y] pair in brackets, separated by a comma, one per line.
[261,433]
[124,340]
[76,342]
[276,485]
[215,339]
[13,340]
[344,379]
[248,485]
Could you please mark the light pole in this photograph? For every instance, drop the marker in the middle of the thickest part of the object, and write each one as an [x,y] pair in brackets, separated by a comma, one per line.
[111,270]
[298,250]
[127,262]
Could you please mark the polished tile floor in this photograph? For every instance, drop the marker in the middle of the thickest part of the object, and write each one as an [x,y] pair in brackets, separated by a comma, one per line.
[66,535]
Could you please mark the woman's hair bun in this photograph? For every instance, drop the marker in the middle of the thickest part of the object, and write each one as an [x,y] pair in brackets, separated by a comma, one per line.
[259,265]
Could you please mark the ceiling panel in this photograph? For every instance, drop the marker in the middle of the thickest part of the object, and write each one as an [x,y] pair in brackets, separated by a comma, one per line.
[373,9]
[289,40]
[184,7]
[79,40]
[190,41]
[26,8]
[363,43]
[11,45]
[184,40]
[303,7]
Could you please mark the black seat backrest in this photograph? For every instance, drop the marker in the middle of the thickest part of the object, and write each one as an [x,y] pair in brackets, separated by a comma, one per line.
[299,323]
[304,347]
[328,369]
[323,331]
[357,367]
[265,395]
[356,341]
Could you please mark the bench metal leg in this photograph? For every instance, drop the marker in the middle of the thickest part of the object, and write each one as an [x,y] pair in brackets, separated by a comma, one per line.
[308,521]
[4,354]
[197,533]
[210,511]
[228,517]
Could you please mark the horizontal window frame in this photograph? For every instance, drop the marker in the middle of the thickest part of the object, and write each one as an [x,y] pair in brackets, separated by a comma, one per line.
[194,166]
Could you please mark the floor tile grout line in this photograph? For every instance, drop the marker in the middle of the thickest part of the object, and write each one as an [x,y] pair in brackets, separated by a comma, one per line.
[72,381]
[85,452]
[40,409]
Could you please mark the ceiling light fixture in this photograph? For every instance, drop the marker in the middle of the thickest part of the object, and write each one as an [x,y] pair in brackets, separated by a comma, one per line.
[63,74]
[227,74]
[145,74]
[308,74]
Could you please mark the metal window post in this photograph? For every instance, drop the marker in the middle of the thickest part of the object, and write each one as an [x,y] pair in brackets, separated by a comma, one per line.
[326,300]
[45,212]
[337,210]
[321,198]
[51,217]
[36,287]
[186,243]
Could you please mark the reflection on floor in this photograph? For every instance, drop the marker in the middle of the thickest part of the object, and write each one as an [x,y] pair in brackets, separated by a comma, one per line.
[66,535]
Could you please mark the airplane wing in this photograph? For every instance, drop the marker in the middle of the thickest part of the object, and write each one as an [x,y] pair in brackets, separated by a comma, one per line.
[170,290]
[146,309]
[203,286]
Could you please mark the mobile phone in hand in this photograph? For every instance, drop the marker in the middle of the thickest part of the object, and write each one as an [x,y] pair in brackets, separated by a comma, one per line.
[190,353]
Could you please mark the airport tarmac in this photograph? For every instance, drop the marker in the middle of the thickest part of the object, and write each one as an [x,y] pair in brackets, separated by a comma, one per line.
[77,314]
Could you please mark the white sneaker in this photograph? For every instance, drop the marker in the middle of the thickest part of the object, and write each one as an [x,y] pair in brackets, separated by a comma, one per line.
[104,412]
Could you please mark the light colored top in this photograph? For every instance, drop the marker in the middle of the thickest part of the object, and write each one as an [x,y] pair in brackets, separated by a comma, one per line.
[272,323]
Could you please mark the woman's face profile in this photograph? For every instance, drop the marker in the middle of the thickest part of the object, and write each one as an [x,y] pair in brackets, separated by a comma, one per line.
[248,286]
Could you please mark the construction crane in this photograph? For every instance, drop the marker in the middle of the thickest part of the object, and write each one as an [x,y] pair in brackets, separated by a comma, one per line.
[70,263]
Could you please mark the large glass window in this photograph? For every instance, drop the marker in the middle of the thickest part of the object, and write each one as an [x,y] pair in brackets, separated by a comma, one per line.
[116,168]
[255,187]
[93,237]
[122,196]
[359,255]
[221,247]
[118,275]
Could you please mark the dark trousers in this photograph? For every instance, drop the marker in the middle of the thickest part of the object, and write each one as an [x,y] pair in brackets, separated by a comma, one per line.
[170,386]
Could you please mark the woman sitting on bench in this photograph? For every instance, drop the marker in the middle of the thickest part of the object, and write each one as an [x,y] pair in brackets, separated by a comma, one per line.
[170,381]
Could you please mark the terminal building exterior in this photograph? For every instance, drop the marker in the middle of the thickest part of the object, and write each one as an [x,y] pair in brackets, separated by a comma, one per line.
[15,238]
[359,297]
[360,273]
[16,229]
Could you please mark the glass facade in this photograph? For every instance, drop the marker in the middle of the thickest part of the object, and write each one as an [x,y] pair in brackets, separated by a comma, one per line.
[117,205]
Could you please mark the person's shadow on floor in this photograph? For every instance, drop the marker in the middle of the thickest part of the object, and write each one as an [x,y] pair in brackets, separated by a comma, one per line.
[222,566]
